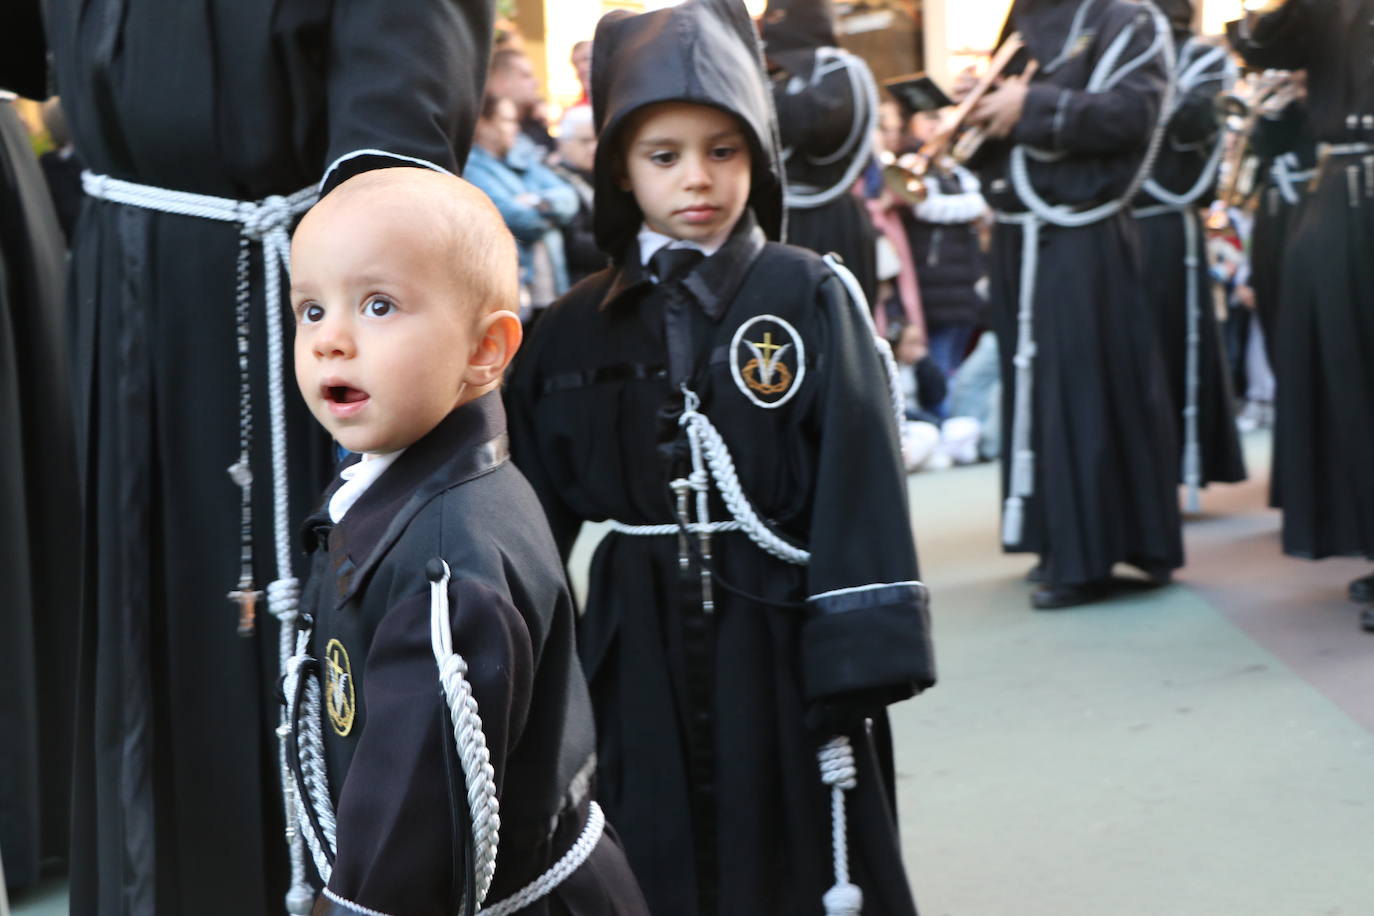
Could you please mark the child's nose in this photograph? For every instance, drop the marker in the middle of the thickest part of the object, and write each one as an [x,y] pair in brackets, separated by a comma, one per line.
[332,338]
[697,175]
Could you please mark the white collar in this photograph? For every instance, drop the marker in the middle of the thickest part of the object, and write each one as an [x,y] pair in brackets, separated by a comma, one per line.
[357,477]
[650,242]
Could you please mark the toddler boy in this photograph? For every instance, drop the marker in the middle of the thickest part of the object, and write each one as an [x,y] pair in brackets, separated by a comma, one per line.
[719,396]
[432,566]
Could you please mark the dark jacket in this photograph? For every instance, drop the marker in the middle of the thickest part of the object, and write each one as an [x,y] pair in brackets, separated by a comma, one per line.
[452,495]
[948,257]
[579,238]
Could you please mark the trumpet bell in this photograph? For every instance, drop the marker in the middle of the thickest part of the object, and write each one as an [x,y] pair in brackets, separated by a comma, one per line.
[905,182]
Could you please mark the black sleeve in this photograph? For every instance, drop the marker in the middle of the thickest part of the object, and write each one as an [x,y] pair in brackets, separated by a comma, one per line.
[405,83]
[396,830]
[867,631]
[521,395]
[1119,119]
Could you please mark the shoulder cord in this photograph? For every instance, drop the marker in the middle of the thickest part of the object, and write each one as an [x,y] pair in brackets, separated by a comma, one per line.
[860,138]
[1021,480]
[267,222]
[1184,205]
[467,734]
[1285,177]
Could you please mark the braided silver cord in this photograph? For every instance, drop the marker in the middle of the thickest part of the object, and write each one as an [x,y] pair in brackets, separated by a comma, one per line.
[473,755]
[838,771]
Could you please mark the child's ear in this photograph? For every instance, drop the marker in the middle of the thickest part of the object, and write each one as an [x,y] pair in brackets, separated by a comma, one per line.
[495,341]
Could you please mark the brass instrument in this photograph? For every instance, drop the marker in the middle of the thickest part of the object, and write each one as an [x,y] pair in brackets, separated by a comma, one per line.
[1274,90]
[955,143]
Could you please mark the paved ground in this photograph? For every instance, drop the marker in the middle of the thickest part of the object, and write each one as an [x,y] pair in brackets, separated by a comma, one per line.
[1200,750]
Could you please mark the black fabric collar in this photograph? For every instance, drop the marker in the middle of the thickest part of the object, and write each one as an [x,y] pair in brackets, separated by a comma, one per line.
[713,283]
[469,442]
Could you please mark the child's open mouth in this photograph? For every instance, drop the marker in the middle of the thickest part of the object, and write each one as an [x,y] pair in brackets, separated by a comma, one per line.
[343,400]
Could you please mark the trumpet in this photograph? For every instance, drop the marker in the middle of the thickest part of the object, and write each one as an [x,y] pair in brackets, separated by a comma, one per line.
[908,176]
[1273,92]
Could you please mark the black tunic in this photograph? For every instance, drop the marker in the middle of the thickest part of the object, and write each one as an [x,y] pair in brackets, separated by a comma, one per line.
[589,396]
[826,132]
[1324,440]
[453,495]
[1183,179]
[177,793]
[1105,449]
[38,515]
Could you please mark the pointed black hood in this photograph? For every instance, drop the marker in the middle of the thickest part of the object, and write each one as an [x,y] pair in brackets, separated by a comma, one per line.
[702,51]
[796,25]
[1044,26]
[1179,13]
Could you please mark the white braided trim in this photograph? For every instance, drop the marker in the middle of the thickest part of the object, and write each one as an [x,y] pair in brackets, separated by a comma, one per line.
[423,163]
[838,771]
[560,871]
[662,530]
[355,907]
[860,137]
[707,442]
[478,772]
[310,742]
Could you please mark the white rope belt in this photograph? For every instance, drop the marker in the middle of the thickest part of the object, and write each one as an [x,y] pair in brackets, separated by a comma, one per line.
[1192,444]
[665,530]
[267,222]
[1344,149]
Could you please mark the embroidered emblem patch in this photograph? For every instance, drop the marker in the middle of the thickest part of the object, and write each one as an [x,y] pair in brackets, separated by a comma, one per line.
[767,360]
[338,688]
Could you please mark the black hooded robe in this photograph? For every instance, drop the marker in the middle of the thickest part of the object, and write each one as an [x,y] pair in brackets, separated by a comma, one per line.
[825,102]
[1182,181]
[707,766]
[1105,453]
[38,504]
[1324,439]
[177,794]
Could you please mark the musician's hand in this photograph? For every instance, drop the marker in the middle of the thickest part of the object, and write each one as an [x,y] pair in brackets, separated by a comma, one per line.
[999,110]
[1244,297]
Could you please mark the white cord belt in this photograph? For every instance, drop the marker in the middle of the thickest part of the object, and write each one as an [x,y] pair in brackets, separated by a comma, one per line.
[1192,440]
[1344,149]
[665,530]
[267,222]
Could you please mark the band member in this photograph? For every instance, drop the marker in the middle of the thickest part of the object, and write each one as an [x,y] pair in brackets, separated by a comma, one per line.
[208,128]
[1089,435]
[826,103]
[721,397]
[39,509]
[1325,342]
[1178,284]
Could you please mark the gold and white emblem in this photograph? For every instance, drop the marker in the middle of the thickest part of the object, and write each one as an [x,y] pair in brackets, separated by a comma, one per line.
[338,688]
[767,360]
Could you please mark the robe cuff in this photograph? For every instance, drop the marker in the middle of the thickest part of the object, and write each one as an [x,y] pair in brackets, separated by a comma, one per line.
[1043,116]
[868,638]
[363,160]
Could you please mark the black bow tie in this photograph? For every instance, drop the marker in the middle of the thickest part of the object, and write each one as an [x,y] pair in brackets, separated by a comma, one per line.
[672,264]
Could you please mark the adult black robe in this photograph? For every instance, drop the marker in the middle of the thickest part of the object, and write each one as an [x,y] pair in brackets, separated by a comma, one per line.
[713,696]
[825,107]
[177,802]
[1103,438]
[38,504]
[1183,180]
[1324,439]
[453,495]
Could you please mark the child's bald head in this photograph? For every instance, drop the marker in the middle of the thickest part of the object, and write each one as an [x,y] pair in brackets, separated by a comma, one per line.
[445,217]
[404,283]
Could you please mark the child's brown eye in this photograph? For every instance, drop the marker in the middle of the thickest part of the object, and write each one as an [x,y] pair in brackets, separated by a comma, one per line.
[722,152]
[379,308]
[312,313]
[663,157]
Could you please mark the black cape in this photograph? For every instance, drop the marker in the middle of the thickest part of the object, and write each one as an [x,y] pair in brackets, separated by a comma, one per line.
[1181,168]
[38,514]
[453,495]
[1106,451]
[177,788]
[1324,442]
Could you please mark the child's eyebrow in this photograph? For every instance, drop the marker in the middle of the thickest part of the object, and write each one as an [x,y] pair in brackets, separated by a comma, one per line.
[731,134]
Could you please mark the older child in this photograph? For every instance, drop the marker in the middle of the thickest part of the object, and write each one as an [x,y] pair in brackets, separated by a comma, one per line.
[719,396]
[432,566]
